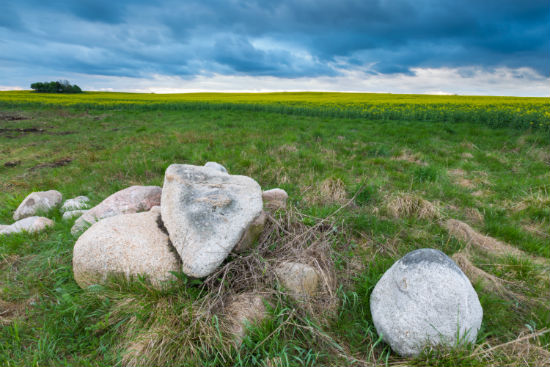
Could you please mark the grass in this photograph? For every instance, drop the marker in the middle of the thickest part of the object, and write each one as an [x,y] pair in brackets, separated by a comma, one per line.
[401,174]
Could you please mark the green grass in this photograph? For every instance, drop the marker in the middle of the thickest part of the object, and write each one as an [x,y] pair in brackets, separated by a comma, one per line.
[96,152]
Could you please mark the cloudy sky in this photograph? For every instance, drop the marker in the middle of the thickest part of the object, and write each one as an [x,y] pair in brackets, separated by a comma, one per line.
[495,47]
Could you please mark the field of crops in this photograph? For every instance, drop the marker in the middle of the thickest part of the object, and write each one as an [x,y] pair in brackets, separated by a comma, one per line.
[515,112]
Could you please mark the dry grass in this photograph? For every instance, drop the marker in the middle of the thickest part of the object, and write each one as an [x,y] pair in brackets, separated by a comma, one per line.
[474,216]
[179,335]
[525,350]
[489,282]
[328,192]
[410,205]
[407,156]
[472,238]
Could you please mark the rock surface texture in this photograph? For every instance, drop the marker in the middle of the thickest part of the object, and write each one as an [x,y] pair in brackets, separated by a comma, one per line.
[29,224]
[133,199]
[40,201]
[73,213]
[301,280]
[243,310]
[216,166]
[275,199]
[129,245]
[425,299]
[77,203]
[207,213]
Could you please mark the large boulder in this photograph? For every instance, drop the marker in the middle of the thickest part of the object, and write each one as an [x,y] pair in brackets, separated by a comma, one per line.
[301,280]
[275,199]
[128,245]
[35,202]
[207,213]
[425,299]
[77,203]
[133,199]
[29,224]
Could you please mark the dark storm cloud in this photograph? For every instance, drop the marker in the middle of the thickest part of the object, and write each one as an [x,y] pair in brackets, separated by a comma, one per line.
[290,38]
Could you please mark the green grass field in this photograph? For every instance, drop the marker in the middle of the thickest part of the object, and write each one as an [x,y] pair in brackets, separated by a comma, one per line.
[491,172]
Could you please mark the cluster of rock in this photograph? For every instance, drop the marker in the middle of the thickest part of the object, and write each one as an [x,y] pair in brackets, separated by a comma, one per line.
[191,224]
[202,214]
[25,216]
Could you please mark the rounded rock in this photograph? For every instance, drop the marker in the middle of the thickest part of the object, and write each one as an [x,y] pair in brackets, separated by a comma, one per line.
[425,299]
[40,201]
[128,244]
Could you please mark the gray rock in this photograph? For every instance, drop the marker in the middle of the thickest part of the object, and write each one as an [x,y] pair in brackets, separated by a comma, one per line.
[275,199]
[216,166]
[133,199]
[29,224]
[73,214]
[77,203]
[40,201]
[425,299]
[301,280]
[206,213]
[128,245]
[251,234]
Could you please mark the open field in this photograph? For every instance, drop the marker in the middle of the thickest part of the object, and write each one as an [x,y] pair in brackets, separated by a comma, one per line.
[394,168]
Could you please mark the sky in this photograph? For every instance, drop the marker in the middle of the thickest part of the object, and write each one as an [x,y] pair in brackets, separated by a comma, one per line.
[476,47]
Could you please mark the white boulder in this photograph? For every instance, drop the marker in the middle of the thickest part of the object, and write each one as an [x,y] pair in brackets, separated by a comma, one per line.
[128,245]
[425,299]
[29,224]
[207,213]
[73,214]
[77,203]
[133,199]
[35,202]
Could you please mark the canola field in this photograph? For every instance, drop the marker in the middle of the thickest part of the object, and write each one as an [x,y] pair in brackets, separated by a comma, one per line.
[518,112]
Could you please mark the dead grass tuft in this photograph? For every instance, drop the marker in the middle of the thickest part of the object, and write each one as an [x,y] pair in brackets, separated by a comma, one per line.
[474,216]
[410,205]
[525,350]
[465,233]
[489,282]
[407,156]
[328,192]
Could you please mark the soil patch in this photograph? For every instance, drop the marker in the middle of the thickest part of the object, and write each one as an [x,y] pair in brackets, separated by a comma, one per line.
[12,117]
[57,163]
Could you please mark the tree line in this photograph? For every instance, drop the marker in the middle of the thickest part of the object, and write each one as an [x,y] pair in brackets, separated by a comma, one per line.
[60,86]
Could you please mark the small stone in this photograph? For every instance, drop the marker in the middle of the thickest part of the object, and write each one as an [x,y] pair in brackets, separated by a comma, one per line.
[77,203]
[216,166]
[275,199]
[425,299]
[133,199]
[40,201]
[128,244]
[68,215]
[207,213]
[29,224]
[244,310]
[301,280]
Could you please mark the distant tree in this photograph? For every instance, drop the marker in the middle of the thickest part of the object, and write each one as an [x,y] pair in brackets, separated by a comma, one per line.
[60,86]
